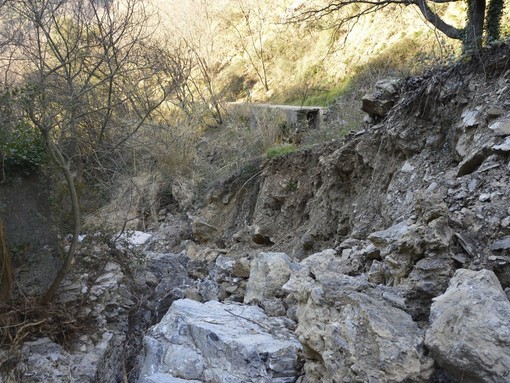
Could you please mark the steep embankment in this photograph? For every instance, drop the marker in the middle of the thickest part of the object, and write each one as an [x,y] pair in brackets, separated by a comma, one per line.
[405,204]
[380,257]
[441,137]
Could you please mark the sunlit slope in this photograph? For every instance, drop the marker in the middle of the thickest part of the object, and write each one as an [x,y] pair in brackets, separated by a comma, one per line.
[254,53]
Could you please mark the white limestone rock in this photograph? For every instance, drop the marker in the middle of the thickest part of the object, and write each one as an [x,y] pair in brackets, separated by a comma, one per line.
[268,273]
[469,334]
[353,331]
[220,343]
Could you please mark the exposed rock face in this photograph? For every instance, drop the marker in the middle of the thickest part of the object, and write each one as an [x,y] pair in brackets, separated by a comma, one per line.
[101,353]
[109,287]
[379,103]
[435,144]
[404,204]
[268,273]
[219,343]
[45,361]
[352,330]
[470,328]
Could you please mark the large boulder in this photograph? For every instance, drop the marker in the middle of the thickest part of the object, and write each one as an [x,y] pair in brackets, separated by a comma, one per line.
[44,361]
[352,330]
[219,343]
[268,273]
[382,99]
[469,334]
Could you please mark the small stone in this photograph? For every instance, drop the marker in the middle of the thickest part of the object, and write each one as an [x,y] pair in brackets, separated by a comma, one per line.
[268,273]
[192,294]
[484,197]
[388,85]
[162,212]
[204,232]
[501,126]
[499,260]
[224,264]
[150,279]
[472,185]
[461,258]
[368,120]
[375,106]
[241,268]
[502,244]
[432,187]
[460,195]
[471,118]
[407,167]
[376,273]
[372,252]
[274,307]
[393,233]
[495,112]
[231,289]
[503,147]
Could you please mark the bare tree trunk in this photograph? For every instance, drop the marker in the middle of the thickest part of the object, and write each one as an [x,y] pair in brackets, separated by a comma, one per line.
[64,166]
[6,275]
[473,33]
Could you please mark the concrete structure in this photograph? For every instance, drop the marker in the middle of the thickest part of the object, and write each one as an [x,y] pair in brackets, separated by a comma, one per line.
[294,119]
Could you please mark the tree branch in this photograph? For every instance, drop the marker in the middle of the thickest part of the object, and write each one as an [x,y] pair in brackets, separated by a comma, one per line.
[436,21]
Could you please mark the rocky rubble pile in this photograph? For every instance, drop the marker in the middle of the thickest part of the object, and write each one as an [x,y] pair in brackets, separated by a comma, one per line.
[381,257]
[407,207]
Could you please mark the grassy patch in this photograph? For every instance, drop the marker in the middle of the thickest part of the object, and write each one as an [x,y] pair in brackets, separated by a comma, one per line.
[280,150]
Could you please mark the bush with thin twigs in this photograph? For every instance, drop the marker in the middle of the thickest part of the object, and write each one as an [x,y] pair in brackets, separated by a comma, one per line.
[23,319]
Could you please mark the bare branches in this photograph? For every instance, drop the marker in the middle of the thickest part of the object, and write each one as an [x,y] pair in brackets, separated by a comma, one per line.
[251,38]
[334,7]
[437,22]
[93,78]
[471,34]
[25,319]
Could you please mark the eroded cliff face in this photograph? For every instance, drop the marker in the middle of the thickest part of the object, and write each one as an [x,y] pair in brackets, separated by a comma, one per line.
[403,204]
[438,161]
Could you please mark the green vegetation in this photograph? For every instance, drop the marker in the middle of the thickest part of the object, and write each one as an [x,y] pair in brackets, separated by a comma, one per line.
[22,149]
[291,186]
[280,150]
[21,145]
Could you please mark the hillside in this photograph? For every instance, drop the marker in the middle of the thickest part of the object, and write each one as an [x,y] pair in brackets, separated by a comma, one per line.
[380,257]
[256,54]
[222,246]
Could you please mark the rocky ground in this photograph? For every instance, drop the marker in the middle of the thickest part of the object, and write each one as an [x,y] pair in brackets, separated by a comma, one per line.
[380,257]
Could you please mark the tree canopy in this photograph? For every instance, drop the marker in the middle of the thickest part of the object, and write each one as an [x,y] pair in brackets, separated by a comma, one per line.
[483,18]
